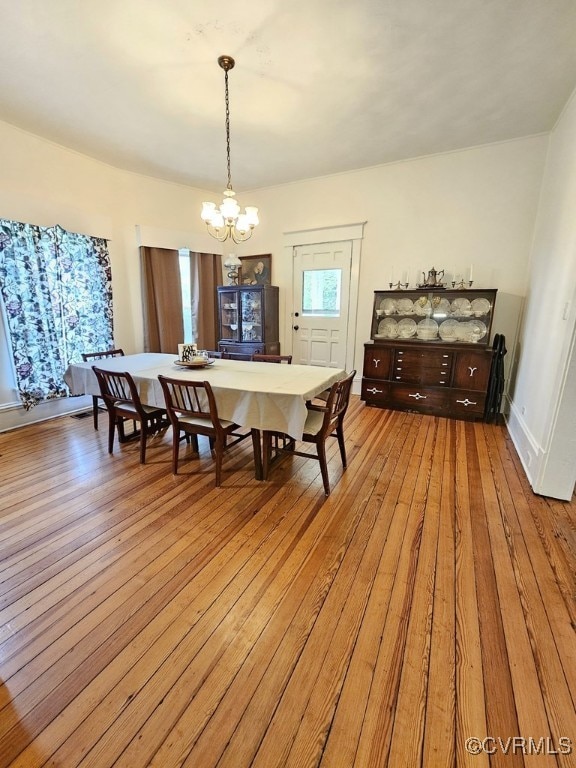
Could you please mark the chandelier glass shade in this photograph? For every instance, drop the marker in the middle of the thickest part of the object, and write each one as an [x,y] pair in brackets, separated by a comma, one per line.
[226,221]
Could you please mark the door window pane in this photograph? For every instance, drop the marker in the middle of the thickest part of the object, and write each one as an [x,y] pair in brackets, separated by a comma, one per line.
[321,292]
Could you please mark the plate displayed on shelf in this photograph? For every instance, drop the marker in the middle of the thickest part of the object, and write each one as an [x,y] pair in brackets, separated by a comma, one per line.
[388,328]
[422,306]
[441,307]
[461,308]
[479,330]
[194,364]
[427,329]
[388,306]
[472,331]
[447,330]
[405,306]
[481,307]
[406,328]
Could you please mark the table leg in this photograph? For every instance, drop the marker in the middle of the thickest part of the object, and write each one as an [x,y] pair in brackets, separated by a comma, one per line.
[266,453]
[258,469]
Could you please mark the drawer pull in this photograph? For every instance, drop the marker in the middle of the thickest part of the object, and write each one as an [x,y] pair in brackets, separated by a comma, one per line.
[466,402]
[375,391]
[472,370]
[418,396]
[376,362]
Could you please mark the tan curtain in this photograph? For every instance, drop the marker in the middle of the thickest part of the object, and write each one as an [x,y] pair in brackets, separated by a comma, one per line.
[162,299]
[205,275]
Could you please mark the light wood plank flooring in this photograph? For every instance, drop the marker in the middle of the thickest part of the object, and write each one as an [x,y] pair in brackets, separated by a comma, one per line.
[153,620]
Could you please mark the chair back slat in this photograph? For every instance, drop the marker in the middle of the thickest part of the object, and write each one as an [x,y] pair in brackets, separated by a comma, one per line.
[337,402]
[86,356]
[190,398]
[257,357]
[117,386]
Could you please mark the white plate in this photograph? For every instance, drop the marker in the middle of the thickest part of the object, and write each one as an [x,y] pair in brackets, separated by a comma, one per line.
[422,306]
[192,364]
[479,330]
[447,330]
[405,306]
[406,328]
[427,329]
[461,308]
[464,332]
[441,308]
[481,307]
[388,306]
[388,328]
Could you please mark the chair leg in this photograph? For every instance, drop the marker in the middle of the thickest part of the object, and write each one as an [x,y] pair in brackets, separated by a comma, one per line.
[111,430]
[257,454]
[321,447]
[175,447]
[95,410]
[342,446]
[219,451]
[143,435]
[266,453]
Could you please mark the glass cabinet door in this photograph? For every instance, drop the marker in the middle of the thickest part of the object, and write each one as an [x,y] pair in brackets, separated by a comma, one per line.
[450,316]
[228,309]
[251,316]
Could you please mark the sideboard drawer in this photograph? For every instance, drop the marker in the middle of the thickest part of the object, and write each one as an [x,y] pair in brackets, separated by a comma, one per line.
[423,400]
[465,402]
[375,391]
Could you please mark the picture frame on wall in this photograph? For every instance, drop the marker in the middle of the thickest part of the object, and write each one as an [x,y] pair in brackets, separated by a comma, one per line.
[255,270]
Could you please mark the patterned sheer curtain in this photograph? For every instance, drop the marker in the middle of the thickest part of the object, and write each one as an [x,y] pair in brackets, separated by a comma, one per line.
[56,288]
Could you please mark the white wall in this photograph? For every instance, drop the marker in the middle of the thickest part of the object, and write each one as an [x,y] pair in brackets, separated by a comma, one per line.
[475,206]
[545,378]
[44,184]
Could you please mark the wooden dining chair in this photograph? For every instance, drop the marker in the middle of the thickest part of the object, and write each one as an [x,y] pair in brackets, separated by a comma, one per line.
[236,356]
[323,421]
[260,358]
[192,410]
[122,401]
[86,357]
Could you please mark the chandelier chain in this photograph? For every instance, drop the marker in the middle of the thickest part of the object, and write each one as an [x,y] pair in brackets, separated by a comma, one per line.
[226,221]
[229,186]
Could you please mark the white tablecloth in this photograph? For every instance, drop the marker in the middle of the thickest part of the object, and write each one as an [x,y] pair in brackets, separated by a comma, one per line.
[261,396]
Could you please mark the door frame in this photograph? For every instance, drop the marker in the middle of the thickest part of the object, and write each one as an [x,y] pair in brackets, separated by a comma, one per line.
[306,237]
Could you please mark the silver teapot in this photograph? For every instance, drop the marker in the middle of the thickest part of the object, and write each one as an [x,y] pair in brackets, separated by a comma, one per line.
[434,277]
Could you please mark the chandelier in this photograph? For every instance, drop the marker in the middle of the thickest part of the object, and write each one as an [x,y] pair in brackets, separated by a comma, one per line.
[226,221]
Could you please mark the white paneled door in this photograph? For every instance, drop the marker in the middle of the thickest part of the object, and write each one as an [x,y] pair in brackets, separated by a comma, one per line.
[321,303]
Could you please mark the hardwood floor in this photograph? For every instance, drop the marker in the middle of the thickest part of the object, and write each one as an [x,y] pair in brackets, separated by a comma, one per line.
[153,620]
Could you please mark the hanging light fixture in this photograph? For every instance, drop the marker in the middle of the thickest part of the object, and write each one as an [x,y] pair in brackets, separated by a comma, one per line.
[226,221]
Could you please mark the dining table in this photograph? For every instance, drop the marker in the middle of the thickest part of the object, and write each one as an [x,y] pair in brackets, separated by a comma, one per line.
[266,398]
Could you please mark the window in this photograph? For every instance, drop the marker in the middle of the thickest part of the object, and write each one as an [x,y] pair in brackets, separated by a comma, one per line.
[189,316]
[321,292]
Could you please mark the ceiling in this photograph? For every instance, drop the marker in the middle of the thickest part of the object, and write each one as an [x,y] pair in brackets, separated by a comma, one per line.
[319,87]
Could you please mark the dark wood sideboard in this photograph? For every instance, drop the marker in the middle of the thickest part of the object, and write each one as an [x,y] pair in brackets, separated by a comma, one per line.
[429,351]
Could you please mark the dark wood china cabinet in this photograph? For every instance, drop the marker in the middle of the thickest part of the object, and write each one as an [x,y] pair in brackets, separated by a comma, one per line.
[429,351]
[248,319]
